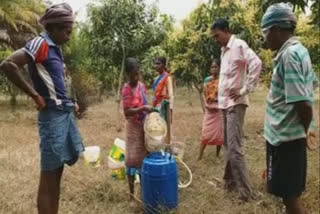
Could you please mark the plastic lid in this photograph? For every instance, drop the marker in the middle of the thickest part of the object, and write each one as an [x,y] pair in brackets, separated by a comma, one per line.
[120,143]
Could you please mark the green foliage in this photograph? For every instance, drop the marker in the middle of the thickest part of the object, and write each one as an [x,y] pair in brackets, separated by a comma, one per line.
[309,36]
[4,52]
[84,84]
[19,20]
[193,48]
[315,13]
[18,23]
[3,84]
[117,29]
[86,88]
[76,52]
[122,28]
[266,73]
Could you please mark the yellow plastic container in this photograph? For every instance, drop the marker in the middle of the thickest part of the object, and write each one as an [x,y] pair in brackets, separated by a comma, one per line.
[117,151]
[117,168]
[116,159]
[118,174]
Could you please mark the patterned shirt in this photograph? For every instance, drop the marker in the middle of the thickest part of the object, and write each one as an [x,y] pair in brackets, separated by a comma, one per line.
[47,70]
[240,69]
[292,81]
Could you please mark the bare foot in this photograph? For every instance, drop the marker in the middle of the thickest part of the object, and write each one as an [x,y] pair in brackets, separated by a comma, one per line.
[199,157]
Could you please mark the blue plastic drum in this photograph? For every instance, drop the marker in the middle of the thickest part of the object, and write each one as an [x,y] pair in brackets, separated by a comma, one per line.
[159,183]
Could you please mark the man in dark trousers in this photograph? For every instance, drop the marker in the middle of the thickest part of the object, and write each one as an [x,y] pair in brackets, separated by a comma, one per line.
[288,107]
[239,75]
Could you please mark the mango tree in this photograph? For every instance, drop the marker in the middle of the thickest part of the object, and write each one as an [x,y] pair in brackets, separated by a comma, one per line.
[193,49]
[18,23]
[119,29]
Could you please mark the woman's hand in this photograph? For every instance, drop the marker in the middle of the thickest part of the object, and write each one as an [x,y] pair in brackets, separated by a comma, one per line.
[147,108]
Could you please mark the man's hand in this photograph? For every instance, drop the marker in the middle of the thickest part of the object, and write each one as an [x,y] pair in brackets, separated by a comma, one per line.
[213,110]
[76,109]
[40,102]
[235,94]
[305,113]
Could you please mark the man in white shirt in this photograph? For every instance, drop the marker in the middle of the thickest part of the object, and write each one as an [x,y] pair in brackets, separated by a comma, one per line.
[239,75]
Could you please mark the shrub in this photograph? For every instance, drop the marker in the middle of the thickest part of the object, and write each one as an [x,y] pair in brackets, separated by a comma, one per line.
[86,89]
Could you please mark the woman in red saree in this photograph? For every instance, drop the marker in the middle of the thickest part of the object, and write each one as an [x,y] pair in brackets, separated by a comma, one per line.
[212,126]
[135,109]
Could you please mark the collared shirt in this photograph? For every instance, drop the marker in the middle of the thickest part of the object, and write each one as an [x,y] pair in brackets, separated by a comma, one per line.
[292,81]
[240,70]
[47,69]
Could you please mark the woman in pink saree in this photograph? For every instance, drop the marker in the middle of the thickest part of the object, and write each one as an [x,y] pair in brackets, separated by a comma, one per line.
[135,109]
[212,126]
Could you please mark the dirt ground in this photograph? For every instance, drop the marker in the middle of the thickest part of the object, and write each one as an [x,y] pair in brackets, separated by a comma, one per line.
[92,190]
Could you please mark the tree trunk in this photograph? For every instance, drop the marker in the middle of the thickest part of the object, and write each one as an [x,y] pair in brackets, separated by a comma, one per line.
[200,91]
[118,96]
[13,92]
[189,87]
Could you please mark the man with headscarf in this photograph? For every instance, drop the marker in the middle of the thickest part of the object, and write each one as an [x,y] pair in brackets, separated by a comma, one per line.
[288,107]
[60,140]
